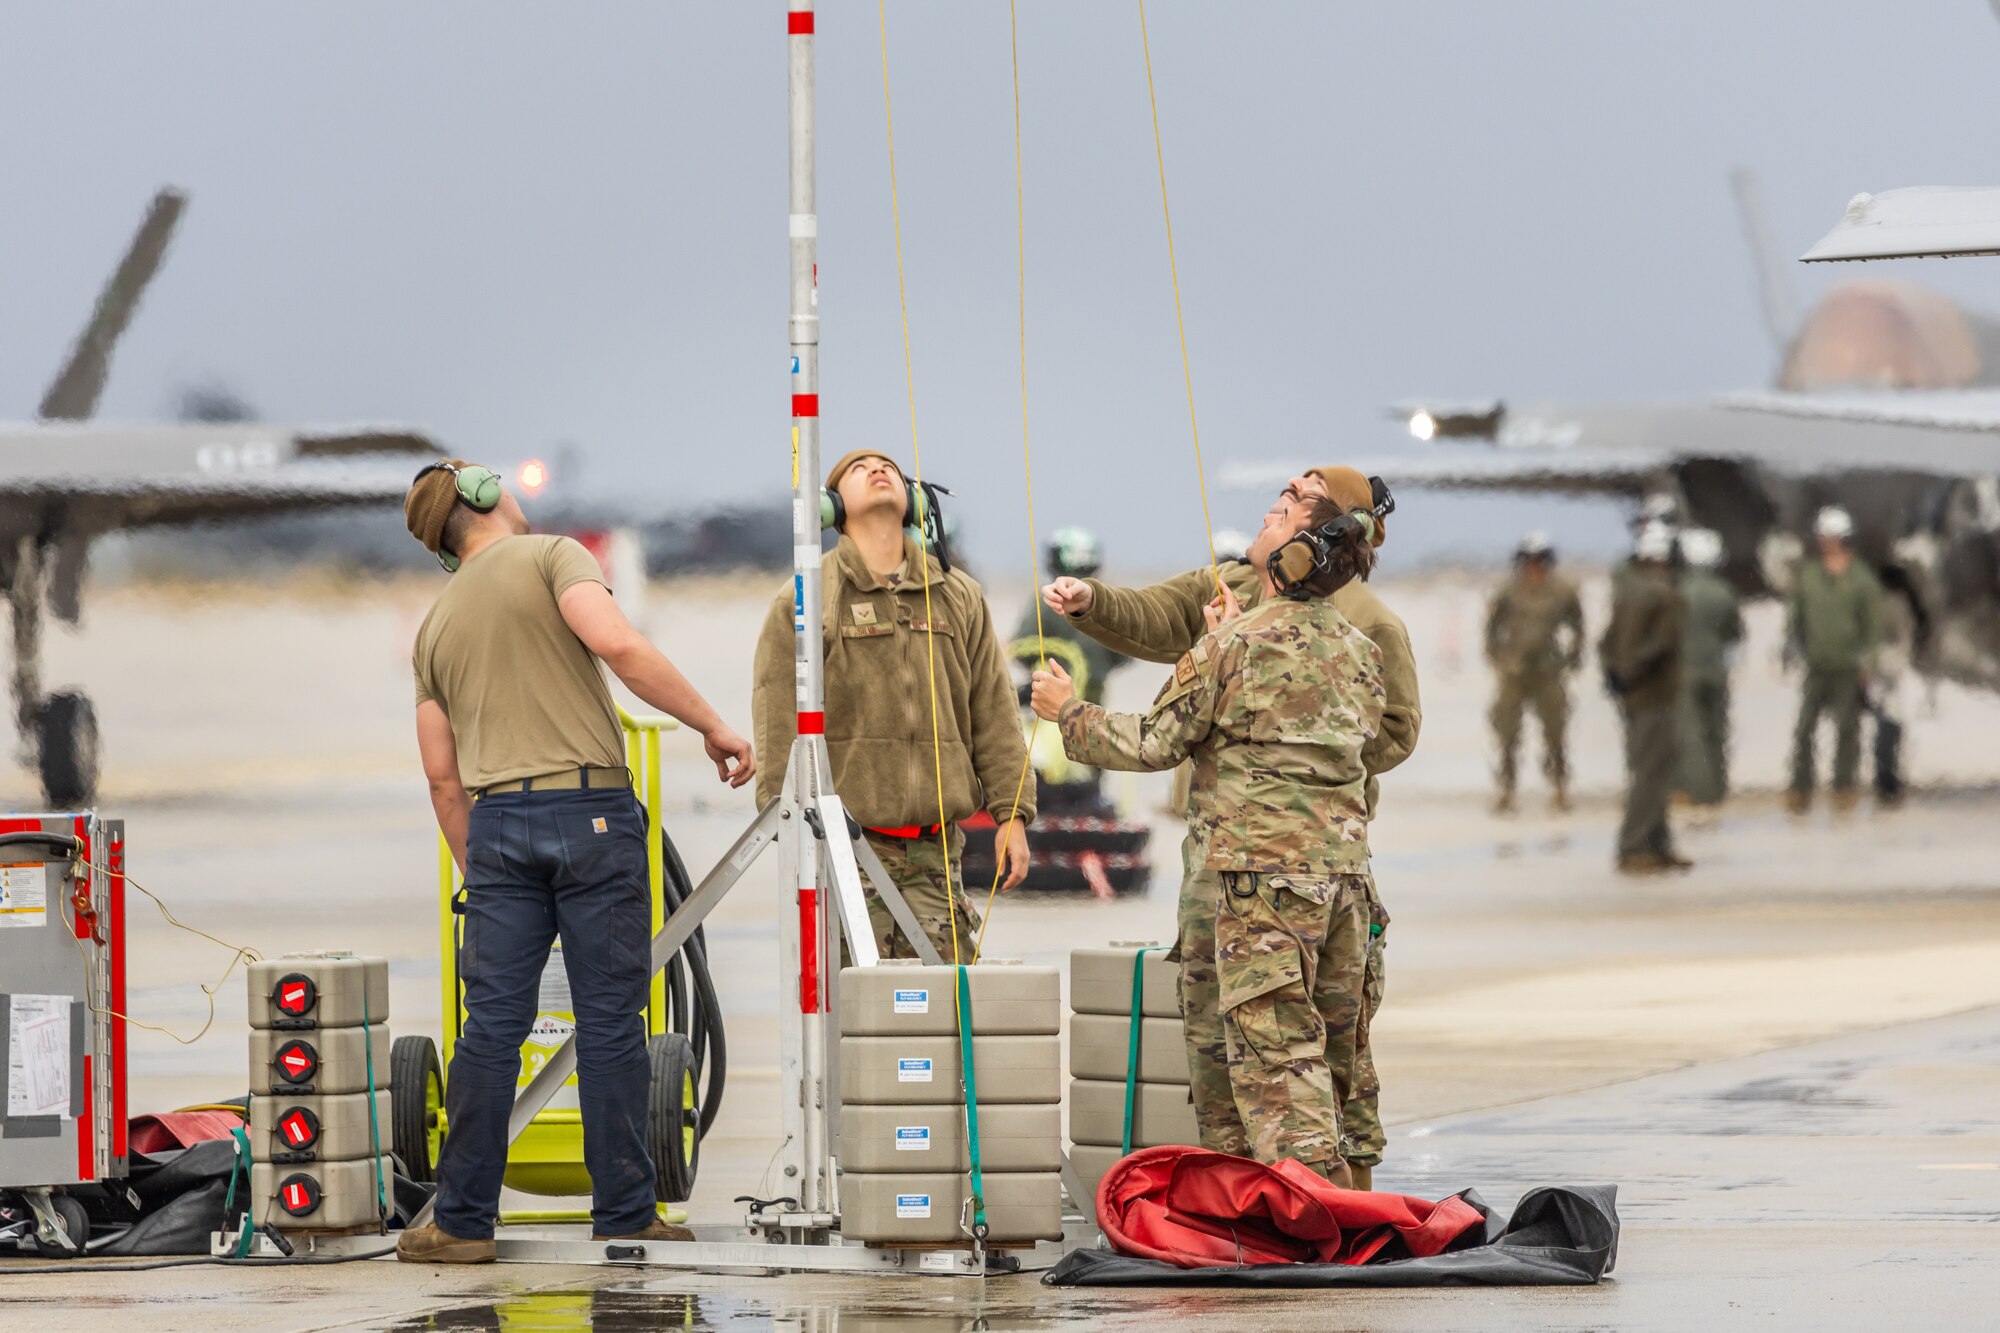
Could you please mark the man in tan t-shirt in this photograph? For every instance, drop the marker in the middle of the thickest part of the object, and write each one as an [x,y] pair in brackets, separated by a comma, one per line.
[526,762]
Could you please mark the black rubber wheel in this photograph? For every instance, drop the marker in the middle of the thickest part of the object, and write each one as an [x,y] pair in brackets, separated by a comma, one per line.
[416,1106]
[66,738]
[75,1220]
[673,1129]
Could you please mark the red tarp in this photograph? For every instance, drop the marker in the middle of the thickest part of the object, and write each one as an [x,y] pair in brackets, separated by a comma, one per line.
[180,1129]
[1199,1209]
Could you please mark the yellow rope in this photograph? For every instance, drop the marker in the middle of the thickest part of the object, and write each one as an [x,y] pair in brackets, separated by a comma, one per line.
[917,459]
[1027,458]
[1173,267]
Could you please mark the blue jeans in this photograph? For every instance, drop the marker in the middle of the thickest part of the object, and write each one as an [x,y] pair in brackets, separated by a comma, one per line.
[538,865]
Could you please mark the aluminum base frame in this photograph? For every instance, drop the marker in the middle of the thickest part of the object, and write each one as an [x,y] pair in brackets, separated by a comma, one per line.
[724,1250]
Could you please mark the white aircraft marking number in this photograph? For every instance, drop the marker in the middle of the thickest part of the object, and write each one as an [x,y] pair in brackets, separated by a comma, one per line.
[236,457]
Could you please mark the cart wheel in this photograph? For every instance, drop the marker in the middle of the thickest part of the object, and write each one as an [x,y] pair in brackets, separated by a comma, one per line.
[416,1106]
[674,1127]
[75,1221]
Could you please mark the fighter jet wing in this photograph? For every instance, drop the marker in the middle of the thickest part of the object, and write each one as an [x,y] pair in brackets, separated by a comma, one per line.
[106,478]
[1918,222]
[1617,449]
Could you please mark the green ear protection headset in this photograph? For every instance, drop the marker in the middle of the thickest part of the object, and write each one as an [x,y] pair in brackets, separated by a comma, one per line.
[1311,551]
[922,519]
[478,489]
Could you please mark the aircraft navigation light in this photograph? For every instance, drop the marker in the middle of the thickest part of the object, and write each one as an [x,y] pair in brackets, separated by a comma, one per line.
[532,476]
[1423,425]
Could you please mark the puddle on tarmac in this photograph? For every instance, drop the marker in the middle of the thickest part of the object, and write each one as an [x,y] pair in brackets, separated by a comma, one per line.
[627,1309]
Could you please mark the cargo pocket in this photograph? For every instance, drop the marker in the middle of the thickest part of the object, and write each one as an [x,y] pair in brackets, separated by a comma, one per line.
[1266,998]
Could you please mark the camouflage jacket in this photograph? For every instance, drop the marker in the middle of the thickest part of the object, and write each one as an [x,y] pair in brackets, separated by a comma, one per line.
[1275,708]
[1160,623]
[1535,629]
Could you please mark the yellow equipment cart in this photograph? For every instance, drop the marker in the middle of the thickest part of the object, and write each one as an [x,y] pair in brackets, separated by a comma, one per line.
[548,1158]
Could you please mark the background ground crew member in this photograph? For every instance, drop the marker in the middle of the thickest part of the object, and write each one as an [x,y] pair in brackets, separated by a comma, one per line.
[1534,639]
[1159,624]
[1073,553]
[1641,653]
[1709,636]
[1275,706]
[1835,625]
[512,708]
[883,636]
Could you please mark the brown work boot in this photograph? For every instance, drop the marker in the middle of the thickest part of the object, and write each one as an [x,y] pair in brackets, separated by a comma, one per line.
[1559,797]
[1503,804]
[1364,1176]
[1845,799]
[1797,801]
[428,1245]
[659,1230]
[1644,863]
[1675,861]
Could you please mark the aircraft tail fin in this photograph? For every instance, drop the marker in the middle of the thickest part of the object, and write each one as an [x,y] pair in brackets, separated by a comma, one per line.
[73,394]
[1774,288]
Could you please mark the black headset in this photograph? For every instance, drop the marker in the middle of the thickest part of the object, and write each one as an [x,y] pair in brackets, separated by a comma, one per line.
[1309,553]
[922,518]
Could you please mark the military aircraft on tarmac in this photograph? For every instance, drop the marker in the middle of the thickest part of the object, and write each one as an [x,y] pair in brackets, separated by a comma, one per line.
[1887,401]
[65,480]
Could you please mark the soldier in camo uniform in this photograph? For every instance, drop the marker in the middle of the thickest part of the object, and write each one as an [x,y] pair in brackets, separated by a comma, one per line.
[1274,705]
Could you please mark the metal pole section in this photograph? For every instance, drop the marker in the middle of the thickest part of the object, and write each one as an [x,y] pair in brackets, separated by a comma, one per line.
[804,1152]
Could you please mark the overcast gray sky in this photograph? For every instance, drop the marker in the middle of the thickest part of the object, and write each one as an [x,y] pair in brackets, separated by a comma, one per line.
[518,224]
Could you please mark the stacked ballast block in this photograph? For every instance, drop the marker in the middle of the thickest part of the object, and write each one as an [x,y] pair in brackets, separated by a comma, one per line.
[904,1155]
[319,1150]
[1100,1037]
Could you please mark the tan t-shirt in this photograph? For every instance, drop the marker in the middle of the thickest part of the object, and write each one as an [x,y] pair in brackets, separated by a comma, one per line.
[524,696]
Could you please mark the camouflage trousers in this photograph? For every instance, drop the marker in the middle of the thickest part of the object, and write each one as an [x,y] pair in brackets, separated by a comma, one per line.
[917,867]
[1361,1116]
[1274,978]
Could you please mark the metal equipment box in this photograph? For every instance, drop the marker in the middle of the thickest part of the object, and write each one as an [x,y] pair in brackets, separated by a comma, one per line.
[62,977]
[329,1062]
[1098,1045]
[320,1196]
[319,1129]
[302,991]
[1100,982]
[929,1208]
[905,1071]
[932,1138]
[909,999]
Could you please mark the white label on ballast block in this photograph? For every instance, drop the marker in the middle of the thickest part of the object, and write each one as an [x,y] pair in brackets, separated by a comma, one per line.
[913,1205]
[913,1071]
[913,1138]
[913,1001]
[24,894]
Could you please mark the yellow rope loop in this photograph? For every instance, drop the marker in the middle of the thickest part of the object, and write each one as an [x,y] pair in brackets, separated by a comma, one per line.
[917,461]
[1173,268]
[1027,460]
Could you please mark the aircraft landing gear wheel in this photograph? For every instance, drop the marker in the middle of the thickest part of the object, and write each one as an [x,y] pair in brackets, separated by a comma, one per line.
[66,737]
[75,1221]
[673,1129]
[416,1106]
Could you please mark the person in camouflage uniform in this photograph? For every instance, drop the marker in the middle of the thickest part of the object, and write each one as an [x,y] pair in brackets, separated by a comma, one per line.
[1534,639]
[1834,624]
[1159,624]
[1641,654]
[1275,706]
[1713,628]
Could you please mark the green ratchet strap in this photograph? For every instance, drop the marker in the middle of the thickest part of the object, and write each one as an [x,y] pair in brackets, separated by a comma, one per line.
[242,1168]
[374,1130]
[971,1079]
[1132,1044]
